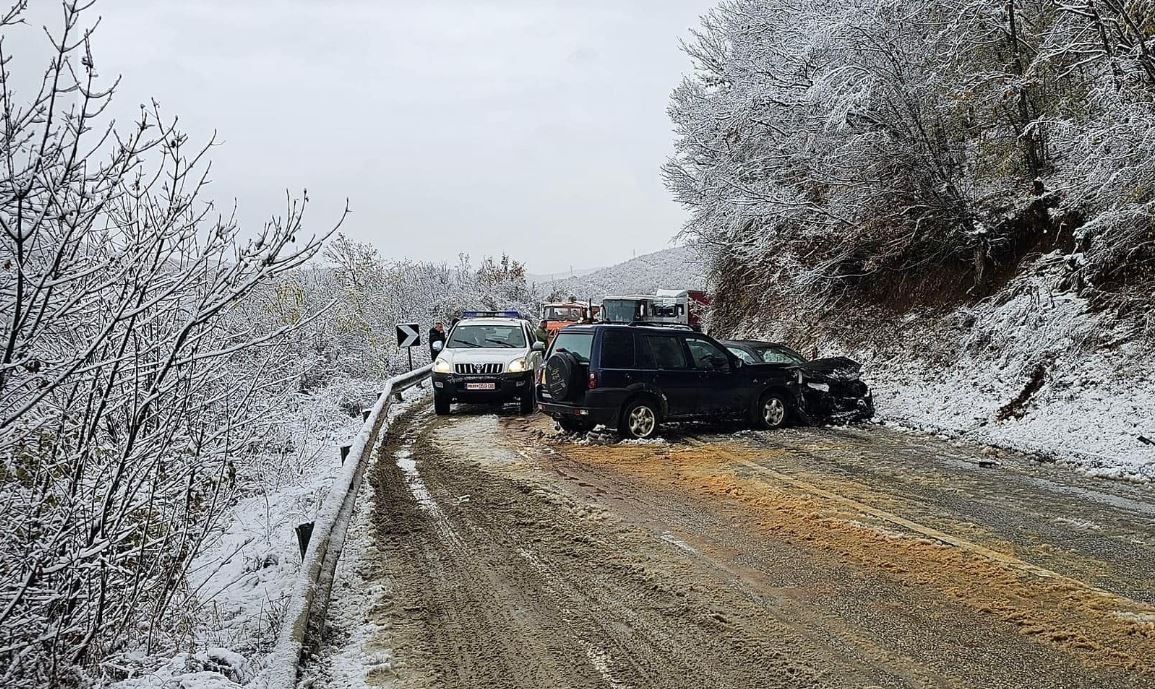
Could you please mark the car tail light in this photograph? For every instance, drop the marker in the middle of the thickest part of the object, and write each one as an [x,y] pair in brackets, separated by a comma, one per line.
[592,382]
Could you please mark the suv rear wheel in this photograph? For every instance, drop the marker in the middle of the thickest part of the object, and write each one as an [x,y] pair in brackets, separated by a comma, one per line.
[639,419]
[773,411]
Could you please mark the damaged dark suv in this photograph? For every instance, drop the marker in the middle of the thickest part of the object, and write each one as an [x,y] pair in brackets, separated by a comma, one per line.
[832,388]
[634,378]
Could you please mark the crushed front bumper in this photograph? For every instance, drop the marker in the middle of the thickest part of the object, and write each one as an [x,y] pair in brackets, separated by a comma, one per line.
[842,405]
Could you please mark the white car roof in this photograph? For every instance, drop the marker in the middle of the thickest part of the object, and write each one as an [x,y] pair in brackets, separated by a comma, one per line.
[490,321]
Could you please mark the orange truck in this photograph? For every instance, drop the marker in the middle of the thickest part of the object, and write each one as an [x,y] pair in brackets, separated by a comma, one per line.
[561,314]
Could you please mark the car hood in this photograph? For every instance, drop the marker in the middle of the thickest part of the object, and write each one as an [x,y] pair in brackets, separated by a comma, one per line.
[837,367]
[484,355]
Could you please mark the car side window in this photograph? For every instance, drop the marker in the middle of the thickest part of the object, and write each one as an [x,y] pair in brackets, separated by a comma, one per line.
[662,352]
[707,356]
[742,354]
[617,349]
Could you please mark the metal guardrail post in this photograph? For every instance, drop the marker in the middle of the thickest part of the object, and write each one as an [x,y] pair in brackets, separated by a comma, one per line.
[304,533]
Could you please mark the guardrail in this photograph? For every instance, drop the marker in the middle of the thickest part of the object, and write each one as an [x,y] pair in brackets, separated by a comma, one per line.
[305,615]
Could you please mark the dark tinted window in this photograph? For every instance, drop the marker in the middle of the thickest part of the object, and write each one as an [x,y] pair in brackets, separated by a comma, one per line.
[576,343]
[662,351]
[617,349]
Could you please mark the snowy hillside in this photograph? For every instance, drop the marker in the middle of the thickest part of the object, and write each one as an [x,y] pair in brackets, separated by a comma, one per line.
[1039,372]
[674,268]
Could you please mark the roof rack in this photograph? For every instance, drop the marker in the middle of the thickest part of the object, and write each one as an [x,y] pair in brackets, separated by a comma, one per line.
[652,324]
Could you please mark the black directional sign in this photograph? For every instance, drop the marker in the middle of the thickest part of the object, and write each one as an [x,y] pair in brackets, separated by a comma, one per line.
[408,334]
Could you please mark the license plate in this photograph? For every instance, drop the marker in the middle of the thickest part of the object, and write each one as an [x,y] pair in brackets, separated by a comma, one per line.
[481,386]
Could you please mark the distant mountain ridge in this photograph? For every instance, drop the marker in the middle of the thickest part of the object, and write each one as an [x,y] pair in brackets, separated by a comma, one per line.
[542,278]
[678,267]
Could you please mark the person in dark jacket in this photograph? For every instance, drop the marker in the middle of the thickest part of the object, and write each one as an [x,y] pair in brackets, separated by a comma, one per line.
[436,334]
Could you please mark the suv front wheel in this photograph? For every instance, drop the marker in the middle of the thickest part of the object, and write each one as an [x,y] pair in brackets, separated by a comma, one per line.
[773,411]
[639,420]
[440,404]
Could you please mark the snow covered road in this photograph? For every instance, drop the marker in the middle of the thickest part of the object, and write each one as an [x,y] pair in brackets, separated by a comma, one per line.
[496,554]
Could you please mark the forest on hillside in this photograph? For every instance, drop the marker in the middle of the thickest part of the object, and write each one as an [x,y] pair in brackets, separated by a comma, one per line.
[892,154]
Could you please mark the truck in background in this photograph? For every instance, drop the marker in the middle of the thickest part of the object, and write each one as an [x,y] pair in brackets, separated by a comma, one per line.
[666,307]
[561,314]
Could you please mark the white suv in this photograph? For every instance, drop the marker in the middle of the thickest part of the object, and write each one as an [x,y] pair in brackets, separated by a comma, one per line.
[490,357]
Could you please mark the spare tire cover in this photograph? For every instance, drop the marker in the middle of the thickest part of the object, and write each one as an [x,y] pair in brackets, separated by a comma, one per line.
[559,375]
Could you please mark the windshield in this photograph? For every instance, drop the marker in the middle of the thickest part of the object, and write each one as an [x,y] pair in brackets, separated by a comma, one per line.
[665,309]
[780,355]
[563,313]
[577,344]
[621,310]
[481,336]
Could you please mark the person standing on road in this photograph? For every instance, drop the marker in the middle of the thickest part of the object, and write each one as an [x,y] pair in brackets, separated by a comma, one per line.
[436,334]
[542,334]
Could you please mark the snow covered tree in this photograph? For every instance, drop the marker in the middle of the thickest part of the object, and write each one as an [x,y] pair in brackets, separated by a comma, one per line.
[888,149]
[130,384]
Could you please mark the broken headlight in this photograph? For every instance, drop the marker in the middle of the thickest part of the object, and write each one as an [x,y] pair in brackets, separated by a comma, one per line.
[821,387]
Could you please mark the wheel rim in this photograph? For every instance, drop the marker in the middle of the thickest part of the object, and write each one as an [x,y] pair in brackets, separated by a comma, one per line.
[642,421]
[773,412]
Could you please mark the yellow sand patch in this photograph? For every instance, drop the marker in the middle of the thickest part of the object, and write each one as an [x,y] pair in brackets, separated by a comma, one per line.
[1097,626]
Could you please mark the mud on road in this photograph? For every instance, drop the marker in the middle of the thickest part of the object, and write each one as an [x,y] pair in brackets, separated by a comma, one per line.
[511,557]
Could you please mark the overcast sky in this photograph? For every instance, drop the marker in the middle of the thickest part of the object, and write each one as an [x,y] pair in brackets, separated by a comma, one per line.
[535,127]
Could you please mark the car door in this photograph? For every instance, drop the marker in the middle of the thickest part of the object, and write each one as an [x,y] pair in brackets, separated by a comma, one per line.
[532,357]
[666,361]
[719,389]
[616,365]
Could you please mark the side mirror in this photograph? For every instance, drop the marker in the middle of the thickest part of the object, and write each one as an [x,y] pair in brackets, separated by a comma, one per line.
[738,363]
[538,346]
[438,346]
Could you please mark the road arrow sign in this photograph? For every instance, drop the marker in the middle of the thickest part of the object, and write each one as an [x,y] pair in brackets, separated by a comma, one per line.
[408,334]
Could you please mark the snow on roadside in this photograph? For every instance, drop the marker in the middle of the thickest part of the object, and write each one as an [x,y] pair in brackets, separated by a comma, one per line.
[352,656]
[1092,411]
[243,577]
[1083,416]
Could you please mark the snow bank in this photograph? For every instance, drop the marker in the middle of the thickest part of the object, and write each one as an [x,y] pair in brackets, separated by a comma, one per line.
[310,588]
[244,579]
[1093,409]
